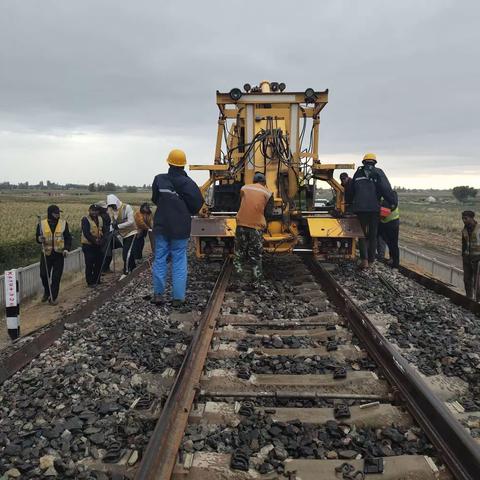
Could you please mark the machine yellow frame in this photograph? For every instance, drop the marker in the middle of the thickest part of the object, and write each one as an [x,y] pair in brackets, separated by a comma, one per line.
[270,114]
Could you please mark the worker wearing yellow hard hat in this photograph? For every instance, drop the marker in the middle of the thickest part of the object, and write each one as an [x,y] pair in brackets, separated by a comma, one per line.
[369,185]
[177,198]
[369,157]
[177,158]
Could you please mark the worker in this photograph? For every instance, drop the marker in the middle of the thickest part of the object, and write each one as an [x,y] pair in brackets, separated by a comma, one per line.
[471,255]
[346,183]
[108,242]
[123,225]
[388,229]
[143,221]
[177,198]
[369,185]
[256,202]
[92,240]
[54,236]
[345,180]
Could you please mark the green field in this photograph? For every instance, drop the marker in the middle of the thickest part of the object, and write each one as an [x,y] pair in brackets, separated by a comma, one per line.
[19,213]
[436,225]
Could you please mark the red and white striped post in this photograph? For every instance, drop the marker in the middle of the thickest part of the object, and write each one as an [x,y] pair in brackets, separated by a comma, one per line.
[12,304]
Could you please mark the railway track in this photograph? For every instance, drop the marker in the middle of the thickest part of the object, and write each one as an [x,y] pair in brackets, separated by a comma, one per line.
[290,380]
[293,394]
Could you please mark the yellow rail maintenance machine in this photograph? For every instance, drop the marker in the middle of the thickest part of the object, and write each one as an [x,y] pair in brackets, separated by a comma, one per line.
[264,129]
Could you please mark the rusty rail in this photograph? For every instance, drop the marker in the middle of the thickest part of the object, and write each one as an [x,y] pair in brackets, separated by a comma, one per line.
[458,449]
[161,454]
[441,288]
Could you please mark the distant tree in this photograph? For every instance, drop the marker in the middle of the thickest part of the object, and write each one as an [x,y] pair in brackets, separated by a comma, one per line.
[91,187]
[110,187]
[464,192]
[132,189]
[41,184]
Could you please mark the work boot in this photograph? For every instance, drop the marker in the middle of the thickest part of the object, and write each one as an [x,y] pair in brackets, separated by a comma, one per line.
[363,264]
[45,298]
[157,299]
[53,302]
[178,303]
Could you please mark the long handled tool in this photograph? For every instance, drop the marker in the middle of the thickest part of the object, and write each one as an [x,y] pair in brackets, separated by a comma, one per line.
[49,274]
[127,261]
[110,242]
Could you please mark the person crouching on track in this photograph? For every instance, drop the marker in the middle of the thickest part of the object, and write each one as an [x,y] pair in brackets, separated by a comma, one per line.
[92,239]
[471,255]
[256,201]
[123,224]
[143,220]
[177,198]
[54,236]
[369,185]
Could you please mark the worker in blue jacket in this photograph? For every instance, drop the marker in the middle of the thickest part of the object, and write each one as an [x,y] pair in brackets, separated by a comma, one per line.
[177,198]
[369,185]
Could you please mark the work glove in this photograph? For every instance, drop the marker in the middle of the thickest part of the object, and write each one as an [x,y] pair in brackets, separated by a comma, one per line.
[41,239]
[65,253]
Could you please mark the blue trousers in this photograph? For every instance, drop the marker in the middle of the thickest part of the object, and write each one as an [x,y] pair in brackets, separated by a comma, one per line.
[177,250]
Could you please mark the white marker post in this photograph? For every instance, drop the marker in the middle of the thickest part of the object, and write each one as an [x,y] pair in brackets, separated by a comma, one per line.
[12,304]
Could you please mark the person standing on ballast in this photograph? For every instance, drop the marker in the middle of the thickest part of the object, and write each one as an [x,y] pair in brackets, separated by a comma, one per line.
[92,240]
[54,236]
[177,198]
[369,185]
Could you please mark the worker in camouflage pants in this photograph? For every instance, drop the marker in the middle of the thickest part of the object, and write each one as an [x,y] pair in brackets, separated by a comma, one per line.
[256,201]
[248,248]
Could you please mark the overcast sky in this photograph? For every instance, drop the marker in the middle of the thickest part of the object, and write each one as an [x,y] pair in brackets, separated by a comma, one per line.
[97,90]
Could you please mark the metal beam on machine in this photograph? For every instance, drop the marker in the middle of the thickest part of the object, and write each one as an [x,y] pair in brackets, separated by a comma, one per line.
[294,129]
[249,129]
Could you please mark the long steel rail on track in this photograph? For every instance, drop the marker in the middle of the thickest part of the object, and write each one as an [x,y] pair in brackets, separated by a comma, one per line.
[457,448]
[441,288]
[161,454]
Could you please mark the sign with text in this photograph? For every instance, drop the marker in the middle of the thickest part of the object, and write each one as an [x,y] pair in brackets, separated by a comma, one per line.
[12,307]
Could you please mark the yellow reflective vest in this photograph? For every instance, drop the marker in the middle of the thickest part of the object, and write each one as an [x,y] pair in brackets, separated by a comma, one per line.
[394,215]
[95,230]
[53,240]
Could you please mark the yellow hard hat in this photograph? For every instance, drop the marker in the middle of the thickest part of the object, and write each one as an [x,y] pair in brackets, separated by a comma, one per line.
[370,156]
[177,158]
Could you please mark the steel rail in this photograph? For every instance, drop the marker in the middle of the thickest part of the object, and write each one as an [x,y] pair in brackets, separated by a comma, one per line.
[46,336]
[161,453]
[441,288]
[457,448]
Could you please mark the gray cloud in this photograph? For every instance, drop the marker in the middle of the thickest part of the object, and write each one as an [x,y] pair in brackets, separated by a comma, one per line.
[403,76]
